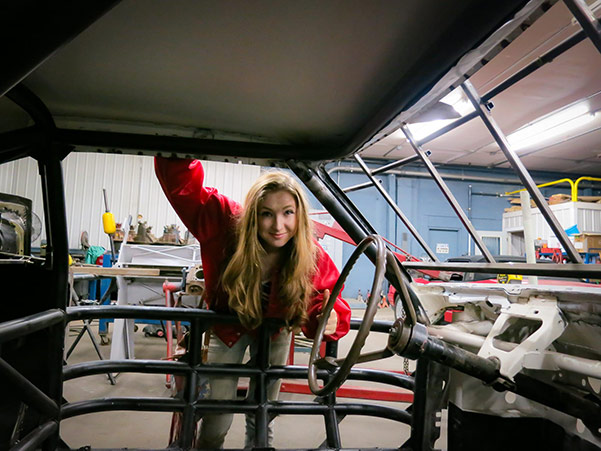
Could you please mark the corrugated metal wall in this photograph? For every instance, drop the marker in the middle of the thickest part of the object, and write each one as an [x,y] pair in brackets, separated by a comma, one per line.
[131,186]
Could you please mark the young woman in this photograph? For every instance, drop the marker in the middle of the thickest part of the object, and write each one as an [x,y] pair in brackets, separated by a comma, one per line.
[260,261]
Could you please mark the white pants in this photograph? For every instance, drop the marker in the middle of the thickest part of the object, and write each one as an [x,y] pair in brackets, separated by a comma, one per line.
[214,428]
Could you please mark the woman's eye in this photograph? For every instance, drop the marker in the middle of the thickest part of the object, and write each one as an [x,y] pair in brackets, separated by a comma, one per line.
[289,212]
[265,214]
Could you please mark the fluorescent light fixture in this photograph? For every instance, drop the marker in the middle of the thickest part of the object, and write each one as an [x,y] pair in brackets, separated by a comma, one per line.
[456,98]
[422,129]
[550,127]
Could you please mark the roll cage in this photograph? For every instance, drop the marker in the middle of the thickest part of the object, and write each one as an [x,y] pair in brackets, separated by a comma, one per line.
[32,331]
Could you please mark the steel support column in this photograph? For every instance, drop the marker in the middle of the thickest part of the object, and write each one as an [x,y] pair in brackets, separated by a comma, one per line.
[449,195]
[57,268]
[396,209]
[521,170]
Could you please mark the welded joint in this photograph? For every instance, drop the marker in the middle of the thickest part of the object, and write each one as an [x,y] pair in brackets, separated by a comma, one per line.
[544,314]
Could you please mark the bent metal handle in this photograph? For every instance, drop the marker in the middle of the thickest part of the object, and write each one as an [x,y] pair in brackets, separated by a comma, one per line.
[372,305]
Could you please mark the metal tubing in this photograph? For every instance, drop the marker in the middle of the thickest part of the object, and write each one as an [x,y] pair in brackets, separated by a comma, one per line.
[176,144]
[47,27]
[462,360]
[452,126]
[155,367]
[28,392]
[331,426]
[35,438]
[533,66]
[195,359]
[522,172]
[260,388]
[33,105]
[337,203]
[360,186]
[574,270]
[377,325]
[383,377]
[342,409]
[395,273]
[587,20]
[449,196]
[10,330]
[110,404]
[57,292]
[124,366]
[523,73]
[146,312]
[396,209]
[396,164]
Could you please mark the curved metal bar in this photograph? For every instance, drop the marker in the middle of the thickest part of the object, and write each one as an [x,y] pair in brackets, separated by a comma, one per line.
[370,312]
[10,330]
[577,182]
[361,374]
[342,409]
[137,312]
[109,404]
[154,367]
[124,366]
[33,105]
[35,438]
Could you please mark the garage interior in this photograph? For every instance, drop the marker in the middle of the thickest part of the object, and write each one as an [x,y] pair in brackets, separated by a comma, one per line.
[467,137]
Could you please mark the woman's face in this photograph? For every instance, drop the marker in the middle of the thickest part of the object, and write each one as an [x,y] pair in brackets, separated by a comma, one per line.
[277,220]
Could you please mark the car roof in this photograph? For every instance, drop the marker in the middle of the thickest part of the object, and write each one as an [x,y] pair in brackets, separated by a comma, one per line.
[308,80]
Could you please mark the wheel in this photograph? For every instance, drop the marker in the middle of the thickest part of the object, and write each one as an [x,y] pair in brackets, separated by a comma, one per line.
[343,367]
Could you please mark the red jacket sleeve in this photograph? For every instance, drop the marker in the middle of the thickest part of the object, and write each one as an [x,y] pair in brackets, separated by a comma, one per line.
[204,211]
[325,278]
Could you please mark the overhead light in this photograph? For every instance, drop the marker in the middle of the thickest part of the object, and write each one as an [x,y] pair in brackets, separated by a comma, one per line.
[550,127]
[422,129]
[457,100]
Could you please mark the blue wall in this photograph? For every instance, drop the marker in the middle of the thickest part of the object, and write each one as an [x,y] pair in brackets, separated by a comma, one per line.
[423,204]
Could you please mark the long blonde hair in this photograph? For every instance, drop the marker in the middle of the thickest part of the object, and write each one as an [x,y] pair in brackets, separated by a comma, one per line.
[242,276]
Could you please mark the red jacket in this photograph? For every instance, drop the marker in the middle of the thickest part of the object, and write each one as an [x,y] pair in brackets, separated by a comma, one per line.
[210,217]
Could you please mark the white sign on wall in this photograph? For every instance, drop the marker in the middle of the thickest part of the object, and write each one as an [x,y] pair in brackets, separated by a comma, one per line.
[442,248]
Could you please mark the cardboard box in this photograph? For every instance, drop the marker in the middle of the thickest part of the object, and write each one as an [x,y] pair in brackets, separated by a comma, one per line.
[559,199]
[590,242]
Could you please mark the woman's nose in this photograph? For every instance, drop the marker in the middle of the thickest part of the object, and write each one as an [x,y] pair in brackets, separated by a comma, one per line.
[278,222]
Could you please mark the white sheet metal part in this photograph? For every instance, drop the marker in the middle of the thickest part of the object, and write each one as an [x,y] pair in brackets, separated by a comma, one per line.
[542,310]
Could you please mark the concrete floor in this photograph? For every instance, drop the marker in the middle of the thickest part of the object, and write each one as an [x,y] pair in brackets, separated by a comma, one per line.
[151,430]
